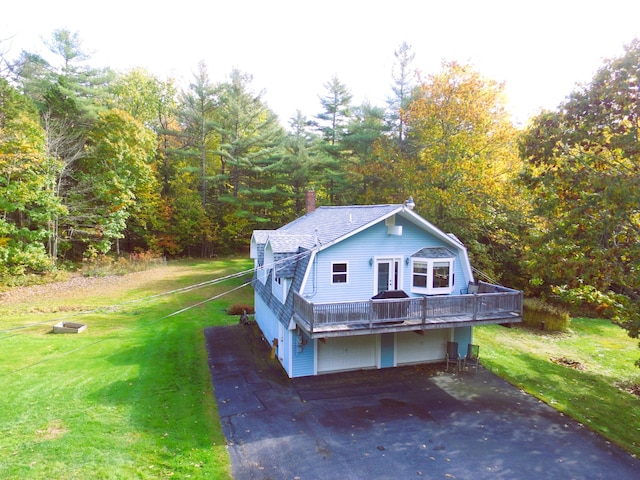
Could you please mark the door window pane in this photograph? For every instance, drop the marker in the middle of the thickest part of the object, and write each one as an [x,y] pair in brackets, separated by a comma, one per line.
[383,276]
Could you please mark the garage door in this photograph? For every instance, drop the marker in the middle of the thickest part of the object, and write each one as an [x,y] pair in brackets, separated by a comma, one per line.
[346,353]
[414,348]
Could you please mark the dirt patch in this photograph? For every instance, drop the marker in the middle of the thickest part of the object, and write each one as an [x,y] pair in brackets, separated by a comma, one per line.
[46,298]
[566,362]
[55,429]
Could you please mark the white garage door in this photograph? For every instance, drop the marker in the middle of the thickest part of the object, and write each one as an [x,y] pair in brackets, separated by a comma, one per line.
[346,353]
[415,348]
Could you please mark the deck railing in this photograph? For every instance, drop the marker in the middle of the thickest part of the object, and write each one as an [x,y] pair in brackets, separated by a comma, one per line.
[430,309]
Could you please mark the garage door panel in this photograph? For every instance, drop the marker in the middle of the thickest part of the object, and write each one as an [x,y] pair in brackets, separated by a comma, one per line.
[346,353]
[415,348]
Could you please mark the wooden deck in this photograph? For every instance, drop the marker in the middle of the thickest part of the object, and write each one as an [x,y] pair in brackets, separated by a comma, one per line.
[407,314]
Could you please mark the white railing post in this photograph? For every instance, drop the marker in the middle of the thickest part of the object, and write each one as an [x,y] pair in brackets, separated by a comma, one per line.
[424,310]
[312,320]
[475,306]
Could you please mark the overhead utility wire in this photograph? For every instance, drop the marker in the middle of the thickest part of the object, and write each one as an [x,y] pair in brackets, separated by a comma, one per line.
[134,327]
[157,295]
[137,300]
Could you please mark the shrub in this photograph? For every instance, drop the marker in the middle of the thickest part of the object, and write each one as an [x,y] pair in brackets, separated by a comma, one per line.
[543,316]
[620,309]
[101,265]
[238,308]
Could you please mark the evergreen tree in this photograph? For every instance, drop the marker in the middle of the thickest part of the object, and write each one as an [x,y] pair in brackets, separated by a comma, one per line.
[365,129]
[250,148]
[196,109]
[295,172]
[402,89]
[333,122]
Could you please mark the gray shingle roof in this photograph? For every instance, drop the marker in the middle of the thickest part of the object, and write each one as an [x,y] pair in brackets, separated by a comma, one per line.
[289,243]
[327,224]
[434,252]
[262,235]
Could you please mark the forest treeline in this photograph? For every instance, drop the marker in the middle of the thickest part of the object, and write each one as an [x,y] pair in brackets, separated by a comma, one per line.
[95,161]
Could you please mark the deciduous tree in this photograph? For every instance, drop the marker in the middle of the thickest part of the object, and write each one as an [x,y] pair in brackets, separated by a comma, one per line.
[114,181]
[465,162]
[583,166]
[27,197]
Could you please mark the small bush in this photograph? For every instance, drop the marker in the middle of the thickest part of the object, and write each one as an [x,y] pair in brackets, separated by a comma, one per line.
[238,308]
[25,280]
[543,316]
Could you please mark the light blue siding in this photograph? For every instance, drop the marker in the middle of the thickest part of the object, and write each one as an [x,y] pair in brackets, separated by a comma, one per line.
[386,350]
[303,358]
[266,320]
[359,250]
[462,335]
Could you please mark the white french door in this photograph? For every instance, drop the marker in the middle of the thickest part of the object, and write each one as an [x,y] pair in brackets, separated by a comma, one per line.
[387,274]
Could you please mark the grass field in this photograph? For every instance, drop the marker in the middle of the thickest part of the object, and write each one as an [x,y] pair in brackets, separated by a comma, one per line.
[130,397]
[581,373]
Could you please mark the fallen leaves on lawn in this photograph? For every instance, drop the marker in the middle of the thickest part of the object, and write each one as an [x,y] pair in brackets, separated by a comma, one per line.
[566,362]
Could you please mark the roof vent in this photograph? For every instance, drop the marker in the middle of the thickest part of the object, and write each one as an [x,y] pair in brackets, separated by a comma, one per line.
[394,229]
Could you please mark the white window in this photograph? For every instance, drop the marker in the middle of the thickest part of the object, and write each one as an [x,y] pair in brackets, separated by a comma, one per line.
[432,276]
[339,272]
[420,274]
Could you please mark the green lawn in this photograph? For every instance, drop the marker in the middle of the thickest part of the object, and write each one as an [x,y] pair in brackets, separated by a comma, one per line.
[131,397]
[603,359]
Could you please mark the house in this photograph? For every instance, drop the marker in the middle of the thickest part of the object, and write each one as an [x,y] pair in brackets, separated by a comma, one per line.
[373,286]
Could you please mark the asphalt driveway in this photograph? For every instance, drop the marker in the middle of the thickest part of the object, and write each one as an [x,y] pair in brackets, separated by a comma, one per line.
[409,422]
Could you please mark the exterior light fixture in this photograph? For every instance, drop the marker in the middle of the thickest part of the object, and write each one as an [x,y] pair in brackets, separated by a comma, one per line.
[371,262]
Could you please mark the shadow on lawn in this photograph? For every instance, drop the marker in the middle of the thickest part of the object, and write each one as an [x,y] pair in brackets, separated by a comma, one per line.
[169,397]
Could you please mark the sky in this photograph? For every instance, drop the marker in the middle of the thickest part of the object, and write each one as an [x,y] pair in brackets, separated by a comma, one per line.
[540,50]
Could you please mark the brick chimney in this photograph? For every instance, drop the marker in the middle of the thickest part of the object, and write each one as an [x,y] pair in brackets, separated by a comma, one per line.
[310,201]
